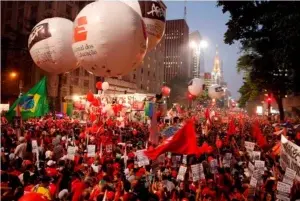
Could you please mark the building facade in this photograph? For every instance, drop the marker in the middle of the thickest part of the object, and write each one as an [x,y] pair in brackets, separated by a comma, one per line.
[149,77]
[176,49]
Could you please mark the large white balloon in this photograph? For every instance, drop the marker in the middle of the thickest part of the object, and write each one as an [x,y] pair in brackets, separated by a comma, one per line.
[154,16]
[196,86]
[109,38]
[50,45]
[105,86]
[215,91]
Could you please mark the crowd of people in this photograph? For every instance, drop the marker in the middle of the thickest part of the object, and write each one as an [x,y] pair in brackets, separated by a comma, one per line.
[36,159]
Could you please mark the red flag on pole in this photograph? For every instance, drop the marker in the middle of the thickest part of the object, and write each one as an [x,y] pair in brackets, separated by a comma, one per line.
[182,142]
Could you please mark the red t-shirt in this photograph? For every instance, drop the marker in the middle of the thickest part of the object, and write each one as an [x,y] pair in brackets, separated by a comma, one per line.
[77,189]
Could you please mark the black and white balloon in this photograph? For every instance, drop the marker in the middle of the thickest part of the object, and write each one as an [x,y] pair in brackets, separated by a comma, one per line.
[195,86]
[216,91]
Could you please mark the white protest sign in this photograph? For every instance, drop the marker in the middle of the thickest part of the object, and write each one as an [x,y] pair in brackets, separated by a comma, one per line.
[282,187]
[259,164]
[202,175]
[253,182]
[214,166]
[249,146]
[287,180]
[282,197]
[91,150]
[251,167]
[95,168]
[290,173]
[184,159]
[142,160]
[195,172]
[71,152]
[34,146]
[290,156]
[181,173]
[227,159]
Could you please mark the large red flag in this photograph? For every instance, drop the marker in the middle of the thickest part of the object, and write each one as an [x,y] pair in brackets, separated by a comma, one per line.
[257,134]
[182,142]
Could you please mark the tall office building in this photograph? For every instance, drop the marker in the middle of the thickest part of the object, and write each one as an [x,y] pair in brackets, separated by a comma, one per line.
[149,77]
[195,55]
[176,49]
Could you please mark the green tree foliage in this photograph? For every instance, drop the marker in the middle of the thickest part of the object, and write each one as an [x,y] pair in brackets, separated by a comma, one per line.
[178,85]
[269,33]
[204,99]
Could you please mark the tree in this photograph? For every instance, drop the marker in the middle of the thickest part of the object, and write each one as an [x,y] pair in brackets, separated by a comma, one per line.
[269,33]
[204,99]
[178,87]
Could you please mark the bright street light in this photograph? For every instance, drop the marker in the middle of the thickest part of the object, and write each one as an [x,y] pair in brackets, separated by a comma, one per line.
[203,44]
[13,75]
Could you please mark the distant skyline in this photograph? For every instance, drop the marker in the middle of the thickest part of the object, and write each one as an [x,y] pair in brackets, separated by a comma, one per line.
[209,20]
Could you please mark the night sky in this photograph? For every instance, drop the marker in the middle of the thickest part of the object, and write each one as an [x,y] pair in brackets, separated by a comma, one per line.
[209,20]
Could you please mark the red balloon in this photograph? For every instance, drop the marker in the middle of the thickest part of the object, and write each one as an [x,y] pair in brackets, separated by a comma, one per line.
[90,96]
[190,96]
[219,143]
[33,196]
[96,102]
[165,91]
[99,85]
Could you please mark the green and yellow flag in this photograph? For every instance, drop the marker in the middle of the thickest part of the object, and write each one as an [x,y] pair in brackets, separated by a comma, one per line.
[32,104]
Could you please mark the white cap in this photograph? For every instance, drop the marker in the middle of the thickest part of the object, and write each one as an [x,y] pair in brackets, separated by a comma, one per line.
[48,154]
[63,193]
[51,162]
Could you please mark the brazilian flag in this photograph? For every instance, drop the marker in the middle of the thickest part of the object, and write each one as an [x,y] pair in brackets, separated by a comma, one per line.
[32,104]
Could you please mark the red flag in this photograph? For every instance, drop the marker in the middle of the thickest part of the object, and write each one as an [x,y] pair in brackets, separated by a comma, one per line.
[257,134]
[182,142]
[207,115]
[231,128]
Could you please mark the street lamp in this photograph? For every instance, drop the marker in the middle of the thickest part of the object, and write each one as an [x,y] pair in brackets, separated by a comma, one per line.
[203,44]
[13,75]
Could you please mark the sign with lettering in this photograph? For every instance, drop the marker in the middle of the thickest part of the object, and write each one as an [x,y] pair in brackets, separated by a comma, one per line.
[249,146]
[141,158]
[195,172]
[71,152]
[91,150]
[282,187]
[259,164]
[290,156]
[34,146]
[181,173]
